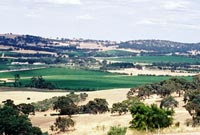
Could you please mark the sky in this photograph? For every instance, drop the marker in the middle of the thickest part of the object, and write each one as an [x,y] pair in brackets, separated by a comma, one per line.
[119,20]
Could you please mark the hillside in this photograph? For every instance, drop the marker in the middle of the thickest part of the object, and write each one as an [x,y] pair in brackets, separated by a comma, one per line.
[27,50]
[30,42]
[160,46]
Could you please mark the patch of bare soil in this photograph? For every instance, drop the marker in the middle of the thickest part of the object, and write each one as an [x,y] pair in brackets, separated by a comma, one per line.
[135,72]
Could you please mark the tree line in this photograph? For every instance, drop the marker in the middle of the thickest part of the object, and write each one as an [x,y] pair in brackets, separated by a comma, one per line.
[189,89]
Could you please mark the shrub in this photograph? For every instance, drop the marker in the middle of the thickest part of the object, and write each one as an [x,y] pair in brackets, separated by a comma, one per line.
[150,117]
[117,130]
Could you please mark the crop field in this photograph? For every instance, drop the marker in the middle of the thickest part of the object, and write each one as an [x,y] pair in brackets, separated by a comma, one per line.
[14,67]
[152,59]
[116,53]
[78,79]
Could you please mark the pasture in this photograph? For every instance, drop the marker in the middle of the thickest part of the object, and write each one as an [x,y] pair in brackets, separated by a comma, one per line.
[17,67]
[97,124]
[78,79]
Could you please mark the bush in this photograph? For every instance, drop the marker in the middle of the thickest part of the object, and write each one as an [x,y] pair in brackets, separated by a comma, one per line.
[116,130]
[150,117]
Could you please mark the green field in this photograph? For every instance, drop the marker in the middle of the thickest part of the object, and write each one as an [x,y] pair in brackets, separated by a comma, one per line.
[154,59]
[116,53]
[12,67]
[65,78]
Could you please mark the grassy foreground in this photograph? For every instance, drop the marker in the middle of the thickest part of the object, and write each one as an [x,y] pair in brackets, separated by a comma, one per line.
[76,79]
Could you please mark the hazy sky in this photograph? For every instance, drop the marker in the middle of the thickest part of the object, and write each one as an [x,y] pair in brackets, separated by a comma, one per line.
[177,20]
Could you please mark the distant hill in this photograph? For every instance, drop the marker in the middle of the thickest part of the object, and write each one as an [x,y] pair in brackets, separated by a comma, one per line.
[30,42]
[160,46]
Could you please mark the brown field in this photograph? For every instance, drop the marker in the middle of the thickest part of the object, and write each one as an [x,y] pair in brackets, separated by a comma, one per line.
[96,46]
[33,52]
[5,47]
[88,124]
[156,72]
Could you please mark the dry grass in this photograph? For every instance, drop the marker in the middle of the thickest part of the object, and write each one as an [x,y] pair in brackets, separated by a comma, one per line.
[5,47]
[96,46]
[135,71]
[88,124]
[33,52]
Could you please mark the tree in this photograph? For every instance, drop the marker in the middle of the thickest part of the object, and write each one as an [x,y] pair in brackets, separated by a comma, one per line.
[163,88]
[83,96]
[132,101]
[120,108]
[131,92]
[74,97]
[150,117]
[116,130]
[12,122]
[17,78]
[26,108]
[169,103]
[192,98]
[9,102]
[62,124]
[196,81]
[33,82]
[40,82]
[65,106]
[102,105]
[98,105]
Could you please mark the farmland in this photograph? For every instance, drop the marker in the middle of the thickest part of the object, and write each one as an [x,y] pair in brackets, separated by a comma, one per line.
[154,59]
[98,69]
[78,79]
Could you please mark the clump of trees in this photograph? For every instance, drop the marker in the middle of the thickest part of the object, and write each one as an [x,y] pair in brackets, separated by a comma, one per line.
[192,100]
[77,98]
[35,82]
[124,106]
[47,104]
[120,108]
[163,88]
[95,106]
[191,90]
[44,105]
[41,83]
[145,117]
[26,109]
[13,121]
[65,106]
[113,66]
